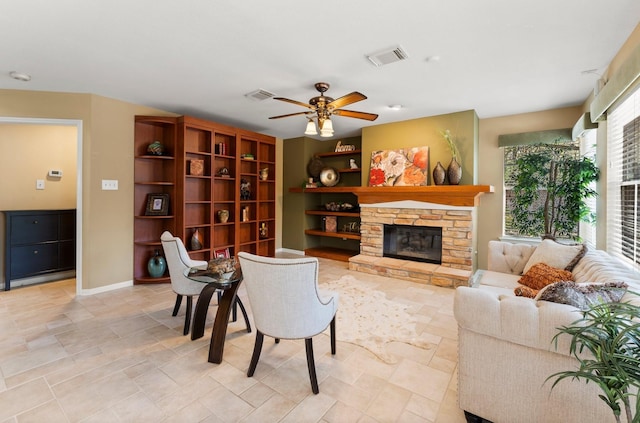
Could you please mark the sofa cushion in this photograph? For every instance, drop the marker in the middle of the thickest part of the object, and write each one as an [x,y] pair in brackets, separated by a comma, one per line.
[541,275]
[556,255]
[506,257]
[600,266]
[496,279]
[582,295]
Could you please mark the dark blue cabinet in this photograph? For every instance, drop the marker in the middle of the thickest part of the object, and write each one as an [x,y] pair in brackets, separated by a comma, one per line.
[38,242]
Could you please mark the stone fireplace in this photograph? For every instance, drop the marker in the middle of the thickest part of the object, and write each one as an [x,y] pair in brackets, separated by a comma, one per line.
[456,241]
[450,207]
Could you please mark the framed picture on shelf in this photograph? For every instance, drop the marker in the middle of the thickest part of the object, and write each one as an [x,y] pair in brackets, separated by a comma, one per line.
[331,224]
[222,253]
[157,204]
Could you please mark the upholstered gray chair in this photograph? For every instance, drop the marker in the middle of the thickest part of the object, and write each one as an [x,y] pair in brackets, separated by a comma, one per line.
[178,261]
[287,304]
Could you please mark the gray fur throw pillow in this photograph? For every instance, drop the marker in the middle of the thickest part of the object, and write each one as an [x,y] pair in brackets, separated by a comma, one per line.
[582,295]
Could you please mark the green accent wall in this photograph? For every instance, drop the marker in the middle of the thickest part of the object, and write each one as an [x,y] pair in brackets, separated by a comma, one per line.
[296,155]
[426,132]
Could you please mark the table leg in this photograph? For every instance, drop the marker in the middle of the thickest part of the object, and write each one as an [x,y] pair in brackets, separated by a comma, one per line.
[200,315]
[219,333]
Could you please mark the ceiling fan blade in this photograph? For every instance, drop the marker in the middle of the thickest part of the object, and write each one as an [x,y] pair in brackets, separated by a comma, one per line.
[299,103]
[354,114]
[290,114]
[346,100]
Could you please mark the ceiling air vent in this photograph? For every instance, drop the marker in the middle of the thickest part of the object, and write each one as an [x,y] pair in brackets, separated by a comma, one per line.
[385,57]
[259,95]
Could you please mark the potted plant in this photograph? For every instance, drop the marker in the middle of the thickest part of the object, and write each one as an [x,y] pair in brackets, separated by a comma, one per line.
[610,332]
[550,191]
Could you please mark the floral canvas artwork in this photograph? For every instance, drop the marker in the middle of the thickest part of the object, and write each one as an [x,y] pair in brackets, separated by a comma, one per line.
[402,167]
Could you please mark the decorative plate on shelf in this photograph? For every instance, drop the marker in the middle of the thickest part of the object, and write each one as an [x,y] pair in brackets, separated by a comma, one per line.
[329,176]
[334,206]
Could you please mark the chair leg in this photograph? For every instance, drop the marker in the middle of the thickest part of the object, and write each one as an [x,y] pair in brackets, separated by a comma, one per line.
[277,340]
[187,315]
[257,348]
[176,307]
[308,343]
[244,313]
[234,310]
[332,330]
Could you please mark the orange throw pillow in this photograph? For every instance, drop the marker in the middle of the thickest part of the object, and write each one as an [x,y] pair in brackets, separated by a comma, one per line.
[525,291]
[541,275]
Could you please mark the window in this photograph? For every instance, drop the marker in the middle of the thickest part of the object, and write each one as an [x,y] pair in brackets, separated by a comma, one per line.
[623,181]
[587,230]
[511,155]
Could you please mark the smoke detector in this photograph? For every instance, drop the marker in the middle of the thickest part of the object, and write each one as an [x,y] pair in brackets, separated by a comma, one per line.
[384,57]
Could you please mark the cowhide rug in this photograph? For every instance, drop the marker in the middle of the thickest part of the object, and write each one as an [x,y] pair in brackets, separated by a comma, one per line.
[367,318]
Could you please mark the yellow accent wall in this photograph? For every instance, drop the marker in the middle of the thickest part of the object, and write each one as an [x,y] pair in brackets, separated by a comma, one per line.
[29,152]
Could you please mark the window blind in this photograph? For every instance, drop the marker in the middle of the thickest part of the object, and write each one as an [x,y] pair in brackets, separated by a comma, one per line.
[623,180]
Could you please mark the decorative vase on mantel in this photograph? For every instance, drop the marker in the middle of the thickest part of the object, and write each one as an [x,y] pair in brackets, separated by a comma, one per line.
[454,172]
[439,174]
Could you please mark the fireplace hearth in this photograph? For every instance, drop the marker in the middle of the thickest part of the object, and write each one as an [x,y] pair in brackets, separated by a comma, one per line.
[417,243]
[454,242]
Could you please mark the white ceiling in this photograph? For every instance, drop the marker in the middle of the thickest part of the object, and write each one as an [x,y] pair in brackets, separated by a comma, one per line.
[197,57]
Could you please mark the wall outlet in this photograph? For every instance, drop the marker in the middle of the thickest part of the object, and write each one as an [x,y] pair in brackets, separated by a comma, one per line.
[39,183]
[109,184]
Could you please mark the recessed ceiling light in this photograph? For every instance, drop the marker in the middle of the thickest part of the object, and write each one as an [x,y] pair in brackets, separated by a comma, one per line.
[433,59]
[395,106]
[20,76]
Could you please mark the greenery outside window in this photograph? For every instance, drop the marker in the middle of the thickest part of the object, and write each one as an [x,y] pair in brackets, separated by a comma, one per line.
[569,149]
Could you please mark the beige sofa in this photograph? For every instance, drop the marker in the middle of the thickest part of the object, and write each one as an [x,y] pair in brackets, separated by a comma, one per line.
[505,343]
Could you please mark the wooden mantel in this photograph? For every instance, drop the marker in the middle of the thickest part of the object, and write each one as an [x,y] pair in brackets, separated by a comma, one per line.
[452,195]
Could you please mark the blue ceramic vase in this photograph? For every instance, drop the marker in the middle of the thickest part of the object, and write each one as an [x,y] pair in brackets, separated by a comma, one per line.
[156,265]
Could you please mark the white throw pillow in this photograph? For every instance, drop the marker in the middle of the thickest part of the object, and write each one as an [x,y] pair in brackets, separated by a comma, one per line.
[553,254]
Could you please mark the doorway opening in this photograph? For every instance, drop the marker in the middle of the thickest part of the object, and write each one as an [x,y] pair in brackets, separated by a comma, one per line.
[78,183]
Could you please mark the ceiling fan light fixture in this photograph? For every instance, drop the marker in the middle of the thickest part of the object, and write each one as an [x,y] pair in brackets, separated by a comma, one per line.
[327,129]
[311,128]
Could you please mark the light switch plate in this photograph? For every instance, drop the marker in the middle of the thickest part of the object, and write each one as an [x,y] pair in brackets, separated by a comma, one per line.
[39,183]
[109,184]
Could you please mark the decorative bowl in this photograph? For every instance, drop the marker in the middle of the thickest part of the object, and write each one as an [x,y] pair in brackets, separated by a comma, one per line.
[334,206]
[329,176]
[223,266]
[227,275]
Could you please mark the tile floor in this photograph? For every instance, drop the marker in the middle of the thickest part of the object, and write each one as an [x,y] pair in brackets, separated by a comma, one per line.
[120,357]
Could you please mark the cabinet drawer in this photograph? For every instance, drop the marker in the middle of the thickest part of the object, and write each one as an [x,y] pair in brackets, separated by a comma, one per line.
[67,255]
[68,225]
[32,228]
[33,259]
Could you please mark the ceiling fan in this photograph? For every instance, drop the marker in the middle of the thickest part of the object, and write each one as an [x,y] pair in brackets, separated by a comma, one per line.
[322,107]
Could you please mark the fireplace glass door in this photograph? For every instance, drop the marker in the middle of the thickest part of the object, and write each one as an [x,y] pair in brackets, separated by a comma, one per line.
[417,243]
